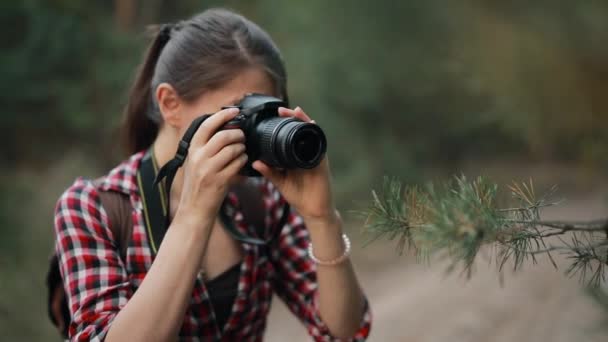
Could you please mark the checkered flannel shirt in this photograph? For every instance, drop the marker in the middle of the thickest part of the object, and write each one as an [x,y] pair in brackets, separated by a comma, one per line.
[99,283]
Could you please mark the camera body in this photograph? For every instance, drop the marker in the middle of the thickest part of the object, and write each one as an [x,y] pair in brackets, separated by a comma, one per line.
[280,142]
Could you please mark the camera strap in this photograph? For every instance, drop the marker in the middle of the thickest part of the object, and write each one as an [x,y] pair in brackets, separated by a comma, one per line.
[155,196]
[170,169]
[155,201]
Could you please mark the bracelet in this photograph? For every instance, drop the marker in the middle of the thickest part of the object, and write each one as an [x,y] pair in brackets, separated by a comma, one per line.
[335,261]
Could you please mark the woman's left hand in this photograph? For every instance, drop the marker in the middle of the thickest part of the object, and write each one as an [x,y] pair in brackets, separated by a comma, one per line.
[307,190]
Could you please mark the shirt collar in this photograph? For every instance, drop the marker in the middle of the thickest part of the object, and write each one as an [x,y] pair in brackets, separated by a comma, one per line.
[123,178]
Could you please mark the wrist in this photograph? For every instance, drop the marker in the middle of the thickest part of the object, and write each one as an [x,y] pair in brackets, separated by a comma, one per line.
[330,245]
[335,261]
[330,221]
[190,220]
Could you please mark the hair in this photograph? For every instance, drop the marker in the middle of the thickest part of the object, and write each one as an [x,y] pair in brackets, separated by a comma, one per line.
[194,56]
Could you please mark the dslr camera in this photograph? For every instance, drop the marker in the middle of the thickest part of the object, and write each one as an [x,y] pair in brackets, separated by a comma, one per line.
[280,142]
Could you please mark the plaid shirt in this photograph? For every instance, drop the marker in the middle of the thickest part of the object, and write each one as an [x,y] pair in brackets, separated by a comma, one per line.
[99,283]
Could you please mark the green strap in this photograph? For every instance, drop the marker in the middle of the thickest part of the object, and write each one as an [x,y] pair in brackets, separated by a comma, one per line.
[154,202]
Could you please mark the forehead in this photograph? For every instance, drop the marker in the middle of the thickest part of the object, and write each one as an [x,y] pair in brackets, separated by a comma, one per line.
[253,80]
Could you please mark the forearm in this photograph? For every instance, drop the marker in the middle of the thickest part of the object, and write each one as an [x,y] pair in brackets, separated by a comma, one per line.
[341,301]
[155,312]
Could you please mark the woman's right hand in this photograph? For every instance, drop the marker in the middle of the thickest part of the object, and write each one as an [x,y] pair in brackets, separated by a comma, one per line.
[214,157]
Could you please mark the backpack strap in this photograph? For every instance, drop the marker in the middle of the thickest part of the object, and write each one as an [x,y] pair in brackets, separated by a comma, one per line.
[119,209]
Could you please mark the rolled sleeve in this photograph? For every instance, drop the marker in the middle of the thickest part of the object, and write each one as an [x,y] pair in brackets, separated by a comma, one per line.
[94,276]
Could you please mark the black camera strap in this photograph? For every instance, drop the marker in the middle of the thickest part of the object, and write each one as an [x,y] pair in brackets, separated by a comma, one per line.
[157,203]
[154,199]
[170,169]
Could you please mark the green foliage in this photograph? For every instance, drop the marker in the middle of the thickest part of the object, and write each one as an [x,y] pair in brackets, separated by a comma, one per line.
[64,72]
[457,219]
[454,218]
[12,196]
[441,81]
[23,264]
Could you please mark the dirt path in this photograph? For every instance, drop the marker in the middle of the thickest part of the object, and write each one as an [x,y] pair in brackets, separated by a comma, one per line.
[421,304]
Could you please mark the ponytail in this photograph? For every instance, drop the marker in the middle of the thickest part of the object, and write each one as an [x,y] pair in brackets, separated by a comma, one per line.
[140,128]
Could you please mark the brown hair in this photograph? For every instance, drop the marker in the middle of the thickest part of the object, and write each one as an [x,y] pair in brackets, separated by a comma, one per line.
[196,55]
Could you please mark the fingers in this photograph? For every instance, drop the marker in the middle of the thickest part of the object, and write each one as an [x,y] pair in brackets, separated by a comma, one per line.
[222,139]
[212,125]
[226,155]
[233,167]
[297,112]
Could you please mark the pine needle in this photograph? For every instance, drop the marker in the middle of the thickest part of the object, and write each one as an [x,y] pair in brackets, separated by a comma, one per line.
[454,220]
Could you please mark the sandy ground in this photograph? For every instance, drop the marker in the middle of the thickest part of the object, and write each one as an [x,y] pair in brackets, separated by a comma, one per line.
[412,302]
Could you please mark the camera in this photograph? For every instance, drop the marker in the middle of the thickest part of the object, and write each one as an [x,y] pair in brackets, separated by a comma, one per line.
[280,142]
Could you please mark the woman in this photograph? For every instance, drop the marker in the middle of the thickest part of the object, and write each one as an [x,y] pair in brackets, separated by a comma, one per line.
[194,67]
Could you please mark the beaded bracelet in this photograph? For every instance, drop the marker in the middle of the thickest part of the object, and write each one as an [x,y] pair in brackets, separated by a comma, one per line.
[335,261]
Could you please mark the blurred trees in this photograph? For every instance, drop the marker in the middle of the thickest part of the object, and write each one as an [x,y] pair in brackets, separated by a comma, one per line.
[420,82]
[64,67]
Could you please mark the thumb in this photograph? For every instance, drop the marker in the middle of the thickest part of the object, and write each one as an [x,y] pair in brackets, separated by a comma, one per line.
[273,175]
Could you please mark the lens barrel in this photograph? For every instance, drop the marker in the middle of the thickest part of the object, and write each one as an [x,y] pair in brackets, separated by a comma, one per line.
[290,143]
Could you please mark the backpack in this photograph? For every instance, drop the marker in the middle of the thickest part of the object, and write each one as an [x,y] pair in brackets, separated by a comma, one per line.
[118,208]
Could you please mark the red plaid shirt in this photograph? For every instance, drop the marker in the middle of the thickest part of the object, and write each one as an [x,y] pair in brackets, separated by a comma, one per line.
[99,283]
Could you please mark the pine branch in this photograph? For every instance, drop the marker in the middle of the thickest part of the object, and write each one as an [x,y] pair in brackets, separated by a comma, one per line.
[596,225]
[457,219]
[570,248]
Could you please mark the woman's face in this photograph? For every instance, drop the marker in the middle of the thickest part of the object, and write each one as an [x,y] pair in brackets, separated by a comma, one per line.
[253,80]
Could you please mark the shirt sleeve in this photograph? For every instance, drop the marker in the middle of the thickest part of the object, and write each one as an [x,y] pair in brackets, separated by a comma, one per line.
[295,276]
[94,276]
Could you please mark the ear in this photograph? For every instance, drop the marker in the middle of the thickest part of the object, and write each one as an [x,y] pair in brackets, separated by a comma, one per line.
[169,104]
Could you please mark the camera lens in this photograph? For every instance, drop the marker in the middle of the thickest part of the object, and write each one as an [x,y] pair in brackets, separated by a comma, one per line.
[306,145]
[291,143]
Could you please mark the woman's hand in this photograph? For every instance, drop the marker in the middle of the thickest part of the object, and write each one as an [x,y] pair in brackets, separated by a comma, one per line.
[308,191]
[213,159]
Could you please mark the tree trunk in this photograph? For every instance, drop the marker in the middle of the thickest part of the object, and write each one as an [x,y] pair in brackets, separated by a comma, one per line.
[124,14]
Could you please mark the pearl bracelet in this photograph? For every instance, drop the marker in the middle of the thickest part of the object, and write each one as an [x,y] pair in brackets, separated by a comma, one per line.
[335,261]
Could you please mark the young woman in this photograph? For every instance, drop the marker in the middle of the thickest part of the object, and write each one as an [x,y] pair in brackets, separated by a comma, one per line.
[191,68]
